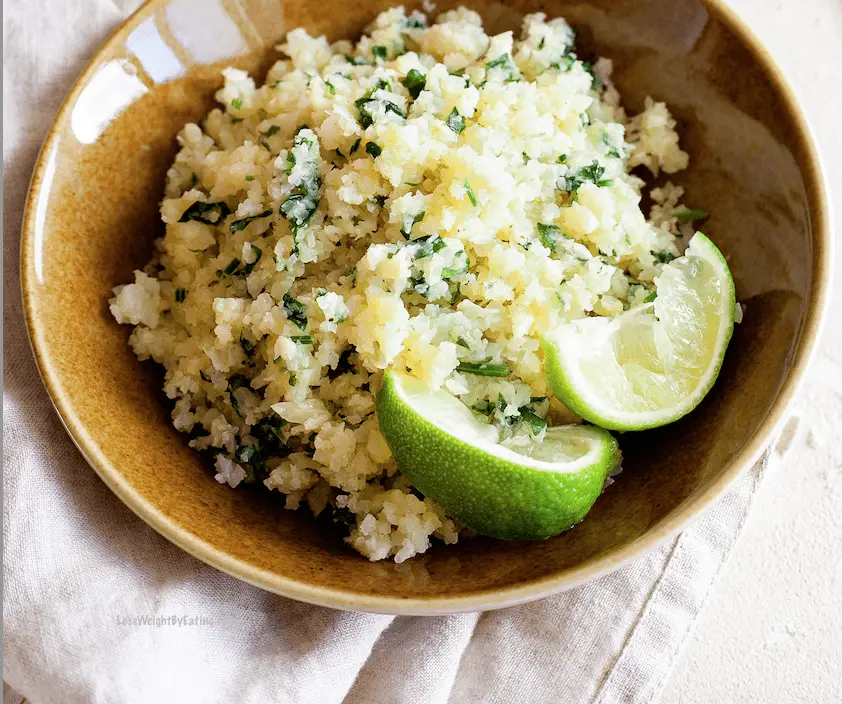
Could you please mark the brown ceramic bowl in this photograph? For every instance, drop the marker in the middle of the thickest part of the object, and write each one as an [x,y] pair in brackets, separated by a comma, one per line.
[92,217]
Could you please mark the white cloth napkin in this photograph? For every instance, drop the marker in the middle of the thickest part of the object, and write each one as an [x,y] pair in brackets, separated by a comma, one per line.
[80,567]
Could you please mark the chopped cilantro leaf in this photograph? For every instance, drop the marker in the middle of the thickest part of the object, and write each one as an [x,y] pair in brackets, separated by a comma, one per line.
[688,215]
[455,121]
[410,220]
[470,193]
[537,423]
[550,235]
[296,311]
[241,224]
[414,82]
[595,80]
[257,253]
[199,208]
[414,21]
[373,149]
[231,268]
[247,345]
[450,272]
[484,369]
[504,63]
[429,246]
[592,172]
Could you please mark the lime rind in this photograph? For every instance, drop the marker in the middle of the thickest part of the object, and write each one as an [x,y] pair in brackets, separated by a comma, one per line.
[490,488]
[567,346]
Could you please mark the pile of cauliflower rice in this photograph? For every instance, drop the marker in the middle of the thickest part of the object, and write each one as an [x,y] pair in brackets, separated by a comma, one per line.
[430,199]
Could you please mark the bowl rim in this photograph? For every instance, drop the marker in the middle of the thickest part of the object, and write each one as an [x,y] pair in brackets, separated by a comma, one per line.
[338,598]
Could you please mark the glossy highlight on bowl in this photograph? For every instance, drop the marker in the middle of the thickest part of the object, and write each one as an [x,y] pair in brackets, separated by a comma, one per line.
[92,218]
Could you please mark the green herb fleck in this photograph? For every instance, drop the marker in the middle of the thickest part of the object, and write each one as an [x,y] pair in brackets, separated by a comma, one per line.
[503,63]
[379,52]
[366,104]
[199,208]
[231,268]
[428,246]
[234,404]
[180,295]
[470,193]
[237,103]
[550,235]
[651,297]
[592,172]
[302,339]
[449,272]
[595,80]
[664,257]
[251,455]
[373,149]
[483,407]
[257,253]
[414,21]
[249,178]
[414,82]
[296,311]
[408,221]
[537,423]
[484,369]
[688,215]
[241,224]
[607,141]
[455,121]
[247,345]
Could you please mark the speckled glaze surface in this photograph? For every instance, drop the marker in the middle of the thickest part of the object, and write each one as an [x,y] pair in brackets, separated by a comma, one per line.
[92,216]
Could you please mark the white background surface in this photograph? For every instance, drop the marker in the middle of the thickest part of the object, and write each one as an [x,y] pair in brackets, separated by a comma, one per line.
[772,629]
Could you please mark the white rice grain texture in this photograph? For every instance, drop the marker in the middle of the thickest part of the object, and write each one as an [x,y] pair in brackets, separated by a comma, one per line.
[430,197]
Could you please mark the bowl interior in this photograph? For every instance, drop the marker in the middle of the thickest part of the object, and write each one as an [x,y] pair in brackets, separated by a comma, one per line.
[93,215]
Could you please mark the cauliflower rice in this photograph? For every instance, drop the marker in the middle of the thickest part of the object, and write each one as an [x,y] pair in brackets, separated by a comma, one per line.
[430,199]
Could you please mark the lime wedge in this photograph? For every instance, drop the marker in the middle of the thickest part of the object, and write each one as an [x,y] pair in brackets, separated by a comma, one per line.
[456,461]
[653,364]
